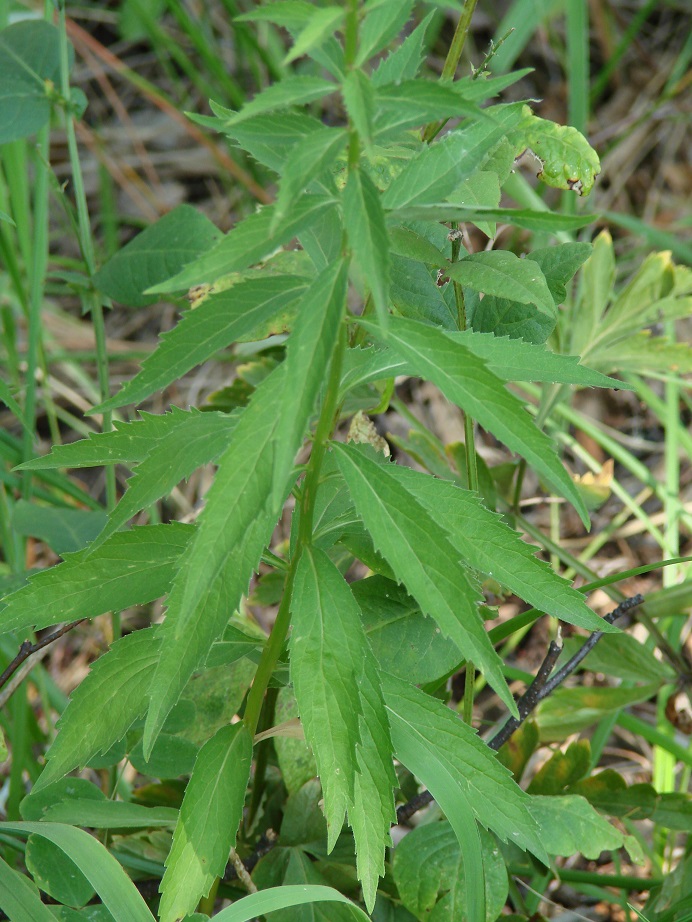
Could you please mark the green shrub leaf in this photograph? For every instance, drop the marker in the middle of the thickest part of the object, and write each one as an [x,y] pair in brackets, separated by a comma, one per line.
[570,824]
[131,568]
[367,236]
[466,381]
[220,320]
[209,817]
[503,274]
[422,558]
[233,529]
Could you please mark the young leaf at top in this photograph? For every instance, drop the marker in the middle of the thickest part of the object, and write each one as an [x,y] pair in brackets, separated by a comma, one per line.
[466,381]
[209,817]
[422,558]
[340,702]
[501,273]
[367,236]
[247,243]
[309,351]
[219,321]
[155,255]
[322,24]
[233,529]
[130,568]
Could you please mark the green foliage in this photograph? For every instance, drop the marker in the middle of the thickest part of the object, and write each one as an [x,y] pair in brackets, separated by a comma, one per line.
[381,573]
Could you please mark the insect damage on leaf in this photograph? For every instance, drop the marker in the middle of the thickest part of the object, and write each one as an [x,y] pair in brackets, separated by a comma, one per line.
[567,159]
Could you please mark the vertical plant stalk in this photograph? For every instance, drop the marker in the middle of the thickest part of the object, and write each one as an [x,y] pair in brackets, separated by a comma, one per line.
[92,300]
[451,63]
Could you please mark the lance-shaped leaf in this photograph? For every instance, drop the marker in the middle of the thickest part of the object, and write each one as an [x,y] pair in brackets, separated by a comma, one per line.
[503,274]
[209,817]
[486,543]
[199,439]
[320,26]
[233,529]
[405,61]
[309,351]
[291,91]
[335,677]
[359,99]
[417,102]
[131,568]
[284,897]
[548,221]
[104,705]
[367,236]
[127,443]
[310,157]
[219,321]
[454,764]
[439,168]
[381,26]
[19,897]
[466,381]
[247,243]
[422,558]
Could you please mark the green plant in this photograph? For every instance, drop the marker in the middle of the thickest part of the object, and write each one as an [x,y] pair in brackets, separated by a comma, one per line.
[348,684]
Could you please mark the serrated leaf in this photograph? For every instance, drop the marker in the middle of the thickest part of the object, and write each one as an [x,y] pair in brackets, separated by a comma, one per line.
[29,64]
[558,264]
[340,702]
[422,558]
[233,529]
[486,543]
[457,767]
[404,641]
[156,254]
[322,23]
[570,825]
[501,273]
[249,242]
[430,878]
[502,317]
[309,352]
[381,26]
[306,160]
[513,360]
[269,138]
[287,13]
[567,159]
[291,91]
[416,102]
[438,169]
[405,62]
[209,817]
[219,321]
[131,568]
[104,705]
[478,88]
[548,221]
[127,443]
[359,100]
[466,381]
[198,440]
[367,236]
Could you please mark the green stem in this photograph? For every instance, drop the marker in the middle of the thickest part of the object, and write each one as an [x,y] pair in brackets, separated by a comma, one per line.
[272,650]
[449,68]
[92,300]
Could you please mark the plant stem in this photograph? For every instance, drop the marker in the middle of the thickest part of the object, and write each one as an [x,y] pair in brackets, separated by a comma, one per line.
[274,646]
